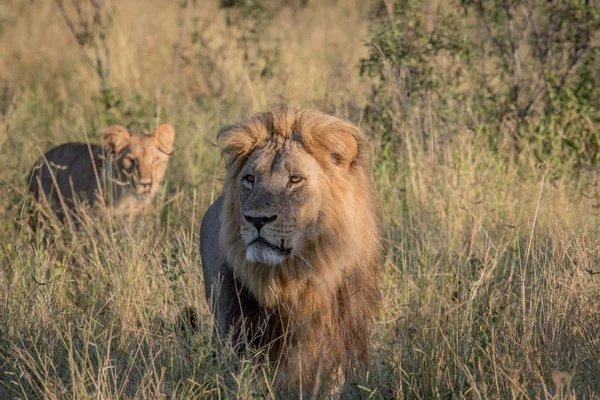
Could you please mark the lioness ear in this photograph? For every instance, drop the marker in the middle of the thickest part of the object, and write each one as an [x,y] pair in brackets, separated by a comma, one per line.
[116,138]
[165,136]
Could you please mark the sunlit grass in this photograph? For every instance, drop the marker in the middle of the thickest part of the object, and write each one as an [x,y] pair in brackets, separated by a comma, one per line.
[487,287]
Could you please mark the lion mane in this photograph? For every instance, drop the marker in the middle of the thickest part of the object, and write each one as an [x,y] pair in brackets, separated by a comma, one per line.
[313,314]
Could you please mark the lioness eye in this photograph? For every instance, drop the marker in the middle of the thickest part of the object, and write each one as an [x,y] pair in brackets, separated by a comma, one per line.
[295,178]
[249,178]
[128,162]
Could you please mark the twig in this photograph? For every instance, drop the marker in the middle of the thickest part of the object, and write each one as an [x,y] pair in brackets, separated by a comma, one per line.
[179,52]
[589,271]
[71,27]
[38,282]
[95,36]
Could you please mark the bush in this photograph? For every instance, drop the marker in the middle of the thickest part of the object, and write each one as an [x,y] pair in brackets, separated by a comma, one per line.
[521,72]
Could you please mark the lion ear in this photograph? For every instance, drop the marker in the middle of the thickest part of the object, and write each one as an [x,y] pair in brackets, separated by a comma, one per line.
[339,144]
[165,136]
[116,138]
[234,142]
[344,150]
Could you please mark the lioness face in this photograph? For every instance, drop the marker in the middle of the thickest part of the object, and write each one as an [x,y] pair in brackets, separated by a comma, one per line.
[141,160]
[280,200]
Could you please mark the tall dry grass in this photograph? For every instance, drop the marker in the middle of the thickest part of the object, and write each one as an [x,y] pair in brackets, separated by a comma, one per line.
[488,291]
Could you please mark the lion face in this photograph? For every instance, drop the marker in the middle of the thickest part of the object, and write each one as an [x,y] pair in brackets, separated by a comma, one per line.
[280,198]
[140,160]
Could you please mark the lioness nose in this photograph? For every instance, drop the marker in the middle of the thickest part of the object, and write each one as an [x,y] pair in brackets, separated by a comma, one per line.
[259,222]
[146,184]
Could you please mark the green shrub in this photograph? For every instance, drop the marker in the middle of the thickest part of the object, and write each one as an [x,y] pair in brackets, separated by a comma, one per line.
[522,73]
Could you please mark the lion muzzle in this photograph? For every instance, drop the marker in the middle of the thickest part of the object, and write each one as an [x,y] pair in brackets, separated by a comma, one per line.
[264,248]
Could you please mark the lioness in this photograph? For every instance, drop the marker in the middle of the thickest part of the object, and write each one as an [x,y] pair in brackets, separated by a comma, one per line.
[125,171]
[291,252]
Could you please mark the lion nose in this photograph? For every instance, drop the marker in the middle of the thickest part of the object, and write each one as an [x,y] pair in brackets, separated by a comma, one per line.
[259,222]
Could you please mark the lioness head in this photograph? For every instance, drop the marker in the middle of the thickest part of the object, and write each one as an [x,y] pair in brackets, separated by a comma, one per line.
[293,174]
[141,160]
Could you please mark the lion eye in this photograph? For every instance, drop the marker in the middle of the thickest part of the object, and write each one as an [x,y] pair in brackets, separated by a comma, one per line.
[295,178]
[249,178]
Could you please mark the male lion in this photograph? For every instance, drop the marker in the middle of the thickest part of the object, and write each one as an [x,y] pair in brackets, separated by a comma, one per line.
[291,251]
[125,171]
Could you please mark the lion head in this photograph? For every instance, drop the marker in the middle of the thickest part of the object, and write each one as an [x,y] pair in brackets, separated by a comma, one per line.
[139,160]
[299,201]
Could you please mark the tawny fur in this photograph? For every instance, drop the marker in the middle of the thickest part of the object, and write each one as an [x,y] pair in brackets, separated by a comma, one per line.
[125,172]
[317,307]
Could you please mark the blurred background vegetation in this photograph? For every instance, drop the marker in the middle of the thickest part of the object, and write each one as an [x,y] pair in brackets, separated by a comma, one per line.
[484,121]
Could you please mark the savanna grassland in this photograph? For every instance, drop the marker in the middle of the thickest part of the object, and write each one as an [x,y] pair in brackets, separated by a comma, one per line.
[485,146]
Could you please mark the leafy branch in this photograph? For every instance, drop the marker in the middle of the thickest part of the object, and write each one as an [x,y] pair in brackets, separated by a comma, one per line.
[90,27]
